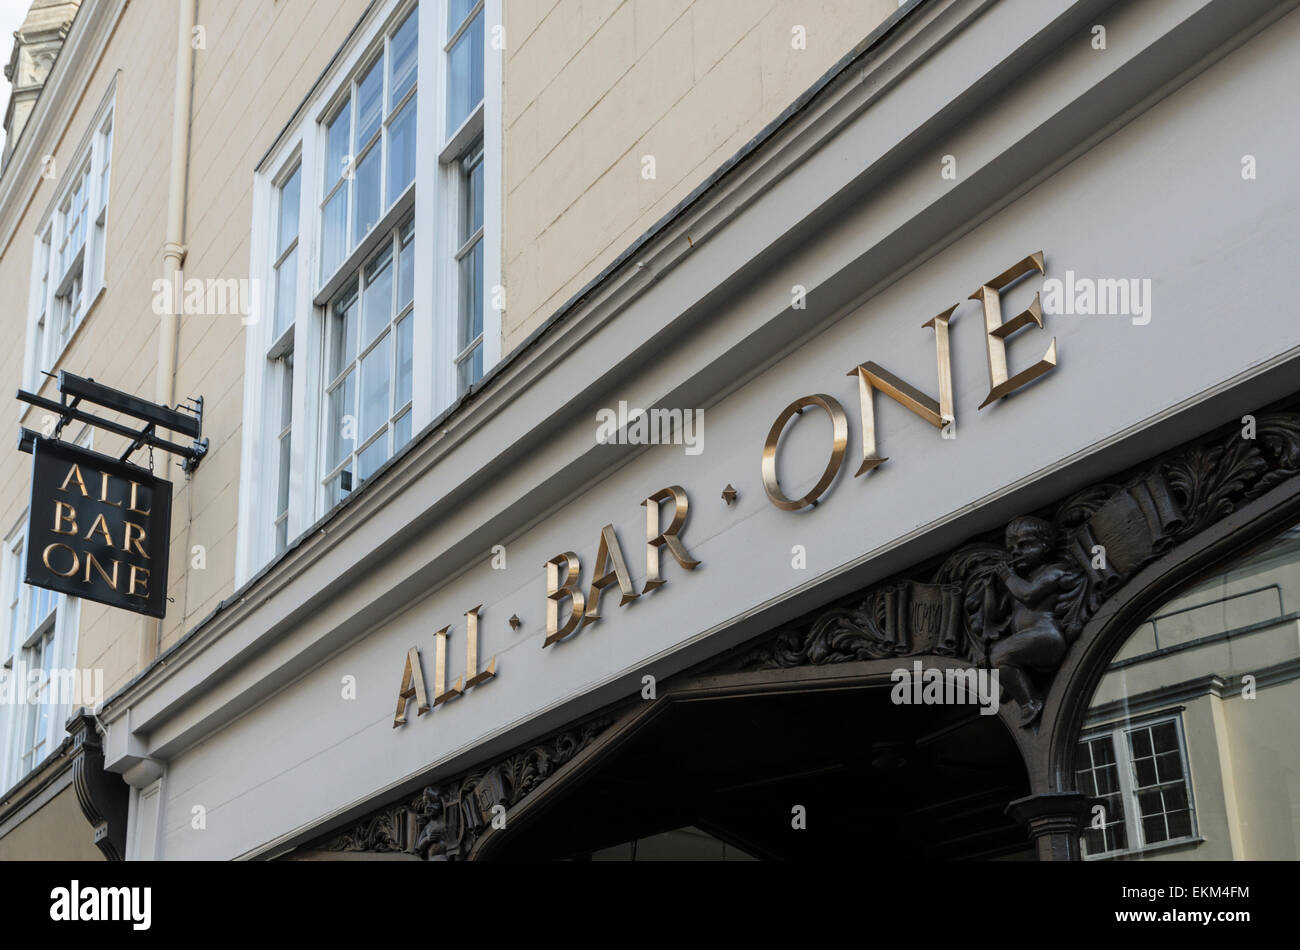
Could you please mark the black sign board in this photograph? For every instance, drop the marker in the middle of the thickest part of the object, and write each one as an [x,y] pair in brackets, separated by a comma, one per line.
[98,528]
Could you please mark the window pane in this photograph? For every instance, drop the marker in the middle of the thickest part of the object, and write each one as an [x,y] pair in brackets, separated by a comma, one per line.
[14,603]
[1144,772]
[402,386]
[288,227]
[404,46]
[458,10]
[338,487]
[375,368]
[343,334]
[107,164]
[472,217]
[471,295]
[465,79]
[1164,738]
[286,288]
[286,393]
[334,224]
[1140,741]
[470,370]
[342,423]
[406,268]
[378,308]
[1180,823]
[336,149]
[401,151]
[282,495]
[365,198]
[370,92]
[402,431]
[372,458]
[1169,766]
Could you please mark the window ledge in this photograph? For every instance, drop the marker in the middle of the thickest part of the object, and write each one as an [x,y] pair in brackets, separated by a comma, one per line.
[347,270]
[1146,849]
[469,130]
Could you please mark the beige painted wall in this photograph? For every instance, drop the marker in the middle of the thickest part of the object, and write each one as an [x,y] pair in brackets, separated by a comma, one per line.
[260,60]
[57,832]
[589,88]
[688,82]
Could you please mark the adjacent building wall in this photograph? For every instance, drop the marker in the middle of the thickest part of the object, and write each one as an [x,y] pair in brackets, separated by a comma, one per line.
[615,110]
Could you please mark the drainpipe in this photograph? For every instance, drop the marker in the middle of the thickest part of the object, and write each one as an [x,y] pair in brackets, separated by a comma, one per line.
[174,249]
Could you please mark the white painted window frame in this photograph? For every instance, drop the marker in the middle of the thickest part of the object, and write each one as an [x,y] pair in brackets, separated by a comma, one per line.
[1117,734]
[41,351]
[435,198]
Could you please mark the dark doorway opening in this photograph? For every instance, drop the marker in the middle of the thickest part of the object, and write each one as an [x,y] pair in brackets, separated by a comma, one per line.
[711,778]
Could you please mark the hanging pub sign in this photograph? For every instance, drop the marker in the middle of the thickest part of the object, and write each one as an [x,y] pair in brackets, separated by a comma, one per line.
[98,528]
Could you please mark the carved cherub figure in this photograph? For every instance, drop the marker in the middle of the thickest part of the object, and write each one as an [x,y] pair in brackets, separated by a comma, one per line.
[1028,637]
[432,842]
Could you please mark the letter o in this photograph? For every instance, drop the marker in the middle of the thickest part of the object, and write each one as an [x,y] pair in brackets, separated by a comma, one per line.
[76,561]
[841,424]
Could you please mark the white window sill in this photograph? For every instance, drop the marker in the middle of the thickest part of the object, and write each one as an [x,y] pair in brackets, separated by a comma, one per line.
[376,236]
[1146,849]
[469,130]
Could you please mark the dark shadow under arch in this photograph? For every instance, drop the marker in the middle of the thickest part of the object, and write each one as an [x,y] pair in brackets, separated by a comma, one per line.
[733,754]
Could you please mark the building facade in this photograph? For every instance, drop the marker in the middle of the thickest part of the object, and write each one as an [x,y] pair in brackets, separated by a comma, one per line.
[918,378]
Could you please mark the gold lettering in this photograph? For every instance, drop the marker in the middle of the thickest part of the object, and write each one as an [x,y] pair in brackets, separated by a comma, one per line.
[440,692]
[557,591]
[103,491]
[135,498]
[840,441]
[132,540]
[873,376]
[656,539]
[474,677]
[996,332]
[412,685]
[608,551]
[59,517]
[100,524]
[75,471]
[45,557]
[130,587]
[91,561]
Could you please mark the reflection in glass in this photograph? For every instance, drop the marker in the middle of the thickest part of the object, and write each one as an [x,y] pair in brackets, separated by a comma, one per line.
[1190,741]
[365,199]
[465,80]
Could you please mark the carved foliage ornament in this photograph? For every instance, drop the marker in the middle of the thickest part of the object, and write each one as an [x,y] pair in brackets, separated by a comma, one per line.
[1016,601]
[444,821]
